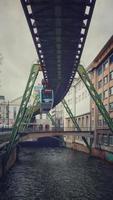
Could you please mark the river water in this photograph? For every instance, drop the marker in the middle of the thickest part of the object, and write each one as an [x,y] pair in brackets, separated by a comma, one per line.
[57,174]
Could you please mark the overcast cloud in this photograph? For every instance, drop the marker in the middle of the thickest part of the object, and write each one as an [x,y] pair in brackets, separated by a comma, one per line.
[18,50]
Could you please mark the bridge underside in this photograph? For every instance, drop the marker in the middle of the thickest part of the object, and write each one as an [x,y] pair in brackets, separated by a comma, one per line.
[59,29]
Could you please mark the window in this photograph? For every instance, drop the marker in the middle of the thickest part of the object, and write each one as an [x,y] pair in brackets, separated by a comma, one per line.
[111,59]
[14,112]
[104,122]
[87,121]
[79,121]
[82,121]
[105,94]
[111,106]
[99,84]
[99,122]
[40,127]
[111,75]
[105,64]
[47,127]
[105,80]
[111,140]
[111,91]
[99,71]
[105,140]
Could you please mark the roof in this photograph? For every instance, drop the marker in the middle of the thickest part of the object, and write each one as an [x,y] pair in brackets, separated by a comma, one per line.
[59,29]
[101,56]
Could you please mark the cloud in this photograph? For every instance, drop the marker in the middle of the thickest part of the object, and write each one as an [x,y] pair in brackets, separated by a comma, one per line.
[18,50]
[100,30]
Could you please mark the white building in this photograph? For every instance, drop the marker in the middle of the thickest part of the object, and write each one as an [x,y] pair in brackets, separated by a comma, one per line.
[57,114]
[3,110]
[13,109]
[78,100]
[82,110]
[42,122]
[71,101]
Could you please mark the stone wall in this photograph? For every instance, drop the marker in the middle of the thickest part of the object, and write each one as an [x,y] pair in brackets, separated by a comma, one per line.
[99,153]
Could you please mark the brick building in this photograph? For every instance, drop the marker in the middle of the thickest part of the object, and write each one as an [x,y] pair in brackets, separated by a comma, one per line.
[101,71]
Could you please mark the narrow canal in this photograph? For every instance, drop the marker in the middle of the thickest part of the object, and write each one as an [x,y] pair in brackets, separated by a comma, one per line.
[57,174]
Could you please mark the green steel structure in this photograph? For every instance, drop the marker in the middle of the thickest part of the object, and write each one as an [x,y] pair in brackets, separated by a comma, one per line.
[29,114]
[26,112]
[85,78]
[21,116]
[51,118]
[75,123]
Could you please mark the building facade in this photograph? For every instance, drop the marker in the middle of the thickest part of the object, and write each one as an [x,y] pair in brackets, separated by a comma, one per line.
[78,100]
[3,111]
[14,106]
[84,108]
[82,103]
[101,71]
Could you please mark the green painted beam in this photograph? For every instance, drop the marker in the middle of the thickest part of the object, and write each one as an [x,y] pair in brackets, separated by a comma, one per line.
[29,114]
[75,122]
[22,110]
[51,118]
[95,96]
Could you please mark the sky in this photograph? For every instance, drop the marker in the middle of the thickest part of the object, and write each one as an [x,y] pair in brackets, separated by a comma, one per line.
[18,53]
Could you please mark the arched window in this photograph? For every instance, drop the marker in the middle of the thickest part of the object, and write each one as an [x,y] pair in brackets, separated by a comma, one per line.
[40,127]
[47,127]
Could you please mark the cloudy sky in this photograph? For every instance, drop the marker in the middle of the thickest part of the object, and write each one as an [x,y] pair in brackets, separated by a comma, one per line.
[18,52]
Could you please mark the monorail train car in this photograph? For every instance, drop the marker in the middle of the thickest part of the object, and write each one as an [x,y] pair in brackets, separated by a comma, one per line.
[46,100]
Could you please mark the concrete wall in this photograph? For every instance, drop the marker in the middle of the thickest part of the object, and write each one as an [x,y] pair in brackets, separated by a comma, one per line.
[99,153]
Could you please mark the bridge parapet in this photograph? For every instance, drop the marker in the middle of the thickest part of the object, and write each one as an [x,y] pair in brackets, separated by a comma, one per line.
[36,135]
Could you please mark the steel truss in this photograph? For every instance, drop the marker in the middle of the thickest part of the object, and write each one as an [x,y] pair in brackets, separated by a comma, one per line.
[95,96]
[75,123]
[24,113]
[29,114]
[51,118]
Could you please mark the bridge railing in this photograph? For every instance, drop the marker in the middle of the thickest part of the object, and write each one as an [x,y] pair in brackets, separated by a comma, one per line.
[39,129]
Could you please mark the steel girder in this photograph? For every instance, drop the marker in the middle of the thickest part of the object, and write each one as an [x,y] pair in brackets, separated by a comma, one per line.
[59,29]
[51,118]
[22,111]
[75,123]
[95,96]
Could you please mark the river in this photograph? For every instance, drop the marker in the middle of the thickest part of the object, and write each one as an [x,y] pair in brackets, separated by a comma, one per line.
[57,174]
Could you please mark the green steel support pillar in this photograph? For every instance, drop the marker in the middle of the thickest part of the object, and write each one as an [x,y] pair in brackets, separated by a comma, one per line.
[51,118]
[22,110]
[29,114]
[75,122]
[95,96]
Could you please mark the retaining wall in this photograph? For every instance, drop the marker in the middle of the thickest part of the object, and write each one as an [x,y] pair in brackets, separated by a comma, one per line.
[99,153]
